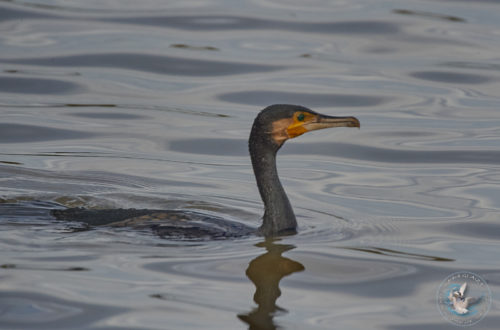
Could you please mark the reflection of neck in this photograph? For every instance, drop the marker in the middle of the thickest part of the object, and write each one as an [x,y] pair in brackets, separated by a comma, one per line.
[278,214]
[266,271]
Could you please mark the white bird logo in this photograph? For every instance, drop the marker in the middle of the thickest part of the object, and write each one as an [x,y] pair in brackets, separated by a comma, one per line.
[460,302]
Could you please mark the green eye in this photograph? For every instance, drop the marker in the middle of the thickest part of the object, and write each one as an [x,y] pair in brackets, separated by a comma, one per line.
[300,117]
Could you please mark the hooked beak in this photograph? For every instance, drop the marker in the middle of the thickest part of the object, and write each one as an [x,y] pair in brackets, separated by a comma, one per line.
[311,122]
[323,121]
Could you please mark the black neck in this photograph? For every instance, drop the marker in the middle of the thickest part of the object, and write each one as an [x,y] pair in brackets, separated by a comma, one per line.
[278,215]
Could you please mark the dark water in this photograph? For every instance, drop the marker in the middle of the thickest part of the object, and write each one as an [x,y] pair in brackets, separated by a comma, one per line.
[148,104]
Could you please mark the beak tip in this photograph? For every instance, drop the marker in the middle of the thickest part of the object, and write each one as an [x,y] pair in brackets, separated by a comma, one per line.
[355,122]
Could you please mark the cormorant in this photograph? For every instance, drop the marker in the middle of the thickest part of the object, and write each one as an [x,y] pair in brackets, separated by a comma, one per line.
[271,128]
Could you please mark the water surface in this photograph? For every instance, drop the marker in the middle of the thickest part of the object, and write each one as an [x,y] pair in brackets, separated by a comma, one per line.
[149,104]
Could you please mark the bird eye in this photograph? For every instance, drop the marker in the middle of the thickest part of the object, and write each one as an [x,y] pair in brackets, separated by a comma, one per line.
[300,117]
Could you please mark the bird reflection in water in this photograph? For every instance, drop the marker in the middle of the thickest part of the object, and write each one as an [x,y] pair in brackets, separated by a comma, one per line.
[266,272]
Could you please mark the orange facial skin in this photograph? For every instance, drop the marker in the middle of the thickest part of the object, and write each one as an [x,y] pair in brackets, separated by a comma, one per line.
[302,122]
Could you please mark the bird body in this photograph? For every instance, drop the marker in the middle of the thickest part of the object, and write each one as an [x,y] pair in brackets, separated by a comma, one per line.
[271,128]
[460,302]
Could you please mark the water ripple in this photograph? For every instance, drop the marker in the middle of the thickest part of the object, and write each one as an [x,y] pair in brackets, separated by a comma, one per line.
[22,310]
[261,98]
[452,77]
[19,133]
[159,64]
[221,22]
[38,86]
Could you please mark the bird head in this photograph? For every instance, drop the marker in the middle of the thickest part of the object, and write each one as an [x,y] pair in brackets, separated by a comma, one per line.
[283,121]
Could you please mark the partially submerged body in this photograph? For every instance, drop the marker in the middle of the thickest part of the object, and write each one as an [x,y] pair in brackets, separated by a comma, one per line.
[272,127]
[176,224]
